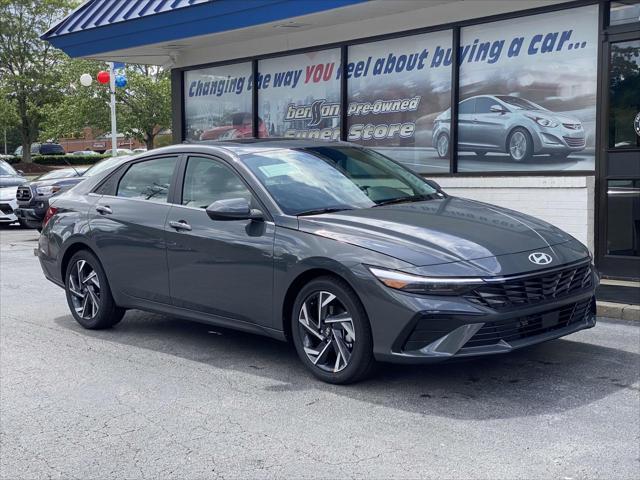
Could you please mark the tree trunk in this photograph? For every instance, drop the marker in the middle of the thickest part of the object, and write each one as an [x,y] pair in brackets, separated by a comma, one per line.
[148,140]
[26,149]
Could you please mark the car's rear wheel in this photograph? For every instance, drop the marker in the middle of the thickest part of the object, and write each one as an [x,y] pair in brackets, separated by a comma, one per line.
[88,293]
[520,145]
[331,331]
[442,145]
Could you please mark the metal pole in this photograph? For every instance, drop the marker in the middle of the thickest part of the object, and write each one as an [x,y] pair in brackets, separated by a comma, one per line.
[5,140]
[114,131]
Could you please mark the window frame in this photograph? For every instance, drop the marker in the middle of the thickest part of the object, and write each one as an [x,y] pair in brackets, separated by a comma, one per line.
[178,82]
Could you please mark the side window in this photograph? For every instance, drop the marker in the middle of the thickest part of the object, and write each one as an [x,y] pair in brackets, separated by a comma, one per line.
[149,180]
[484,104]
[207,180]
[467,106]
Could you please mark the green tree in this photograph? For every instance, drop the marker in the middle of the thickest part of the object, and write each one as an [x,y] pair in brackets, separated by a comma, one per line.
[28,64]
[143,107]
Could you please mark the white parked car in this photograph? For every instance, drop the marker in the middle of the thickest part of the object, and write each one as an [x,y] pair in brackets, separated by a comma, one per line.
[10,179]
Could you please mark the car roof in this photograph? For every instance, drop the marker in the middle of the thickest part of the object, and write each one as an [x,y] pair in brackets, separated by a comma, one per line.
[243,146]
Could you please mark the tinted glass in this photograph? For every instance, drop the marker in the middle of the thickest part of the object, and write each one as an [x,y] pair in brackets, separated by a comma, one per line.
[103,165]
[148,180]
[217,102]
[519,103]
[207,181]
[624,100]
[623,217]
[624,11]
[467,107]
[484,104]
[334,178]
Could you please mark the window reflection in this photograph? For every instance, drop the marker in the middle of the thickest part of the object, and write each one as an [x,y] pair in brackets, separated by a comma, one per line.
[624,101]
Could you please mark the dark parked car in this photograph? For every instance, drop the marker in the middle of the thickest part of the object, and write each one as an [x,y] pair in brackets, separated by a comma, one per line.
[10,179]
[512,125]
[332,246]
[47,148]
[33,197]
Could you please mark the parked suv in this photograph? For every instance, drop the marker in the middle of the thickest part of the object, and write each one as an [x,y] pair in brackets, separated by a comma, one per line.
[48,148]
[33,197]
[509,124]
[10,179]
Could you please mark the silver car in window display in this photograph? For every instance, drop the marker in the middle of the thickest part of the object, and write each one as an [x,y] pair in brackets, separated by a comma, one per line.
[509,124]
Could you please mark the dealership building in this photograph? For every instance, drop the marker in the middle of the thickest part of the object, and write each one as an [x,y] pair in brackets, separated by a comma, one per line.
[533,105]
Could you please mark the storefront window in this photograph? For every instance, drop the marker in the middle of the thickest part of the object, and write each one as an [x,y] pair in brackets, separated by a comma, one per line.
[528,93]
[399,97]
[218,102]
[624,97]
[624,11]
[299,95]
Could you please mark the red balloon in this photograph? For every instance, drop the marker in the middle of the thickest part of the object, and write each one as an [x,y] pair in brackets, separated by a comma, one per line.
[103,77]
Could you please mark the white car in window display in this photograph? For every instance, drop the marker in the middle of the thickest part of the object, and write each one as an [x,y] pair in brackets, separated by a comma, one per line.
[509,124]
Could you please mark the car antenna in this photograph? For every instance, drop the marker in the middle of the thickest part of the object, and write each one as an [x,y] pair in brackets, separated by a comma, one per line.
[64,157]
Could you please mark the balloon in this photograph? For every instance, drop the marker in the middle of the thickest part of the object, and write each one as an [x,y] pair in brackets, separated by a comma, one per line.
[103,77]
[121,81]
[85,80]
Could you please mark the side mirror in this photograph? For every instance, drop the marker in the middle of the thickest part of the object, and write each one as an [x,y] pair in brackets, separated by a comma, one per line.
[433,184]
[498,109]
[233,209]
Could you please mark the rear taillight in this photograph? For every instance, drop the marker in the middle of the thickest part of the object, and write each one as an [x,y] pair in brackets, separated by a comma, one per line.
[51,211]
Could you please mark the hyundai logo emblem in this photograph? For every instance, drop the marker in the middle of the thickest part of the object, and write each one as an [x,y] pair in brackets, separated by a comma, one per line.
[540,258]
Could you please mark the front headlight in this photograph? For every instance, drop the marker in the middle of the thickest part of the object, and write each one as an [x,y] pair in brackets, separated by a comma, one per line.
[50,190]
[409,283]
[544,122]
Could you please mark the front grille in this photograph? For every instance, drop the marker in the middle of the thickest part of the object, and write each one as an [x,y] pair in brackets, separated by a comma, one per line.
[6,208]
[23,194]
[571,126]
[531,289]
[575,142]
[514,329]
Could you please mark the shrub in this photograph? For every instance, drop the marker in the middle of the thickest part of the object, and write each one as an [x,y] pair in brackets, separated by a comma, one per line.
[68,159]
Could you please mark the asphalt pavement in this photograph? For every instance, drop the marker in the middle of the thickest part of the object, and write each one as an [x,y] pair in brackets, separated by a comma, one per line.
[159,397]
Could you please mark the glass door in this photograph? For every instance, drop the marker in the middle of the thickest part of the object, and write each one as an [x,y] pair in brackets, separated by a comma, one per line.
[619,181]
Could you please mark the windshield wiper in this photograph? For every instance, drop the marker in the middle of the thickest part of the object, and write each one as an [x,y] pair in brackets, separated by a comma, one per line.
[412,198]
[318,211]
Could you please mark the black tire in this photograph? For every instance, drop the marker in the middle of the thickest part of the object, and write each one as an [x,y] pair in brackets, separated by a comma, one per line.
[23,224]
[480,154]
[108,313]
[443,152]
[361,360]
[527,153]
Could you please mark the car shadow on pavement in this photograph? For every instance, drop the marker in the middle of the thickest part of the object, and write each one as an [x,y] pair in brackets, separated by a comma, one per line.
[549,378]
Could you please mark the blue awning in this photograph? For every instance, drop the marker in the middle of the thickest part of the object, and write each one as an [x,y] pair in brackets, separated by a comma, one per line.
[100,26]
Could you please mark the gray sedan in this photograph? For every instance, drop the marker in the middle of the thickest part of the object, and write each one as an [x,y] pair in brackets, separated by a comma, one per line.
[333,247]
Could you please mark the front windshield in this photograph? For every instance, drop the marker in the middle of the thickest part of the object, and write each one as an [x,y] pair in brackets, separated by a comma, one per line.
[6,169]
[319,179]
[103,165]
[519,103]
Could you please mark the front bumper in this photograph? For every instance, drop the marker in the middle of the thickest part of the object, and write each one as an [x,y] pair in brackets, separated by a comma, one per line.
[422,329]
[31,216]
[7,211]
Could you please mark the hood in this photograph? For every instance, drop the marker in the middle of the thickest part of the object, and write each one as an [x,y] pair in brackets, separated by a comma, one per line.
[558,117]
[437,231]
[57,181]
[11,180]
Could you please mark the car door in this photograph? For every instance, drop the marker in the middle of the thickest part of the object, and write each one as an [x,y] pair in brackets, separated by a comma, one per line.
[127,226]
[220,267]
[490,127]
[466,112]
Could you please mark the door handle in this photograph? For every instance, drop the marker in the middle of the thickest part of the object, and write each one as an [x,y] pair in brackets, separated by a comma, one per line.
[180,225]
[104,209]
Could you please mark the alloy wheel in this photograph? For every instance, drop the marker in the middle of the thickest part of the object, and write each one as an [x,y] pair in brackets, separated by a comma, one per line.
[84,286]
[327,331]
[442,145]
[518,145]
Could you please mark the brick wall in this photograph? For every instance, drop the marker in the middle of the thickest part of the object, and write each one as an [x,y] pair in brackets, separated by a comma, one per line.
[567,202]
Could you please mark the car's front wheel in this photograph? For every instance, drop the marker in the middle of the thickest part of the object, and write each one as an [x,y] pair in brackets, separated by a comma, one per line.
[88,293]
[442,145]
[331,331]
[520,145]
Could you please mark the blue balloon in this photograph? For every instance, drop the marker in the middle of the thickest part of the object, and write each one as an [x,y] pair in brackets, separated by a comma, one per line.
[121,81]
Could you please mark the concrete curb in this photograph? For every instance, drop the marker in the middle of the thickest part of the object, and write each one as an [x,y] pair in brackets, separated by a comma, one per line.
[618,311]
